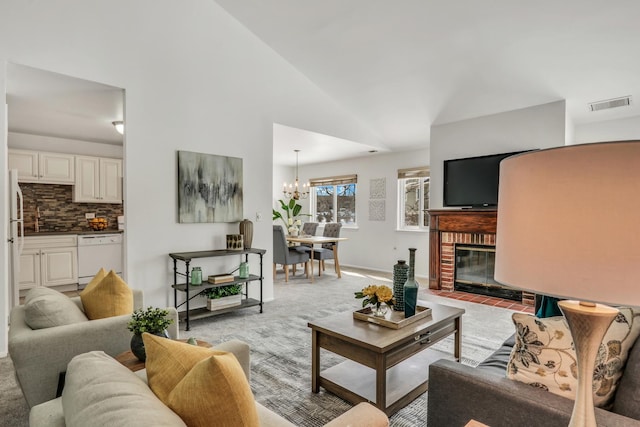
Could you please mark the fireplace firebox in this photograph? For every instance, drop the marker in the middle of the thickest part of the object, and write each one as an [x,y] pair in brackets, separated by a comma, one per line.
[474,268]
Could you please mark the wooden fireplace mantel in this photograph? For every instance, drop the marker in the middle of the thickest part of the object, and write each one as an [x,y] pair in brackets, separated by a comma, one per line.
[480,221]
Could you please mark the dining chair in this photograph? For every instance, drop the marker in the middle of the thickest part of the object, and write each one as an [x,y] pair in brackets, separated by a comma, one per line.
[283,254]
[308,229]
[331,229]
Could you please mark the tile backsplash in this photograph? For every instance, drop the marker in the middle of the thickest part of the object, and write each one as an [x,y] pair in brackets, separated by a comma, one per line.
[58,212]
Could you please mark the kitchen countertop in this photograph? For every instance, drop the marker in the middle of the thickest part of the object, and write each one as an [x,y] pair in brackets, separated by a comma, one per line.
[68,233]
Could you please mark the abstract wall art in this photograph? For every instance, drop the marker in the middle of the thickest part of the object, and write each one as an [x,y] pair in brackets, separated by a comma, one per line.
[209,188]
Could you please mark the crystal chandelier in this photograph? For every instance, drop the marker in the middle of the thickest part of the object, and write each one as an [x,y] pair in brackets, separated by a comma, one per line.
[292,191]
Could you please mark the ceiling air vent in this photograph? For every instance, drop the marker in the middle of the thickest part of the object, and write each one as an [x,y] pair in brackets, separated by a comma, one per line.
[610,103]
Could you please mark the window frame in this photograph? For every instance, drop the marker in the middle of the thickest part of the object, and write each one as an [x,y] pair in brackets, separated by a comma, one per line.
[404,175]
[334,182]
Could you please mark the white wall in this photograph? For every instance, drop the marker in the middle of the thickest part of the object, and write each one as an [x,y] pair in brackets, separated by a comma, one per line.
[610,130]
[541,126]
[282,174]
[4,219]
[376,245]
[569,130]
[195,80]
[25,141]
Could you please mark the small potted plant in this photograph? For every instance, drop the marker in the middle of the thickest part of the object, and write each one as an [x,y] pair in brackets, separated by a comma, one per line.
[223,296]
[151,320]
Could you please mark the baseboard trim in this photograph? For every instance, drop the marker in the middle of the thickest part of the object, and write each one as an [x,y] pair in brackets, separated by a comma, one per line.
[418,276]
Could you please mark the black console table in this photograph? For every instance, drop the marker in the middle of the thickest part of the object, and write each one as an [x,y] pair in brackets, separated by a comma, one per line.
[192,291]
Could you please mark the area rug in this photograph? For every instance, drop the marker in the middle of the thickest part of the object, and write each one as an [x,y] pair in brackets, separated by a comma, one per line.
[280,343]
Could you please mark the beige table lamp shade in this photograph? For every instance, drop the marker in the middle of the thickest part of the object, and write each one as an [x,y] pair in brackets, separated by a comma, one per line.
[569,222]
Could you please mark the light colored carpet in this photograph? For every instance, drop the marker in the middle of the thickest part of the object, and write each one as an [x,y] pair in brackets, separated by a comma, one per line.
[281,346]
[281,343]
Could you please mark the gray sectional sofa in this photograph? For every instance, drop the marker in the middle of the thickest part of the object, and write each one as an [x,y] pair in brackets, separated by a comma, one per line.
[101,392]
[460,393]
[40,356]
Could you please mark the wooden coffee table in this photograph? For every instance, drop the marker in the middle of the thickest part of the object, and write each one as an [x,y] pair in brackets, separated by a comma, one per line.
[134,364]
[386,366]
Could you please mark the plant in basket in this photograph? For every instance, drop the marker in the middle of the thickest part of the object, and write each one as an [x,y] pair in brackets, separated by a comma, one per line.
[223,296]
[223,291]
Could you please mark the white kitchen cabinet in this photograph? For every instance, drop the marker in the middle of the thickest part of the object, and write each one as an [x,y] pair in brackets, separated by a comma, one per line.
[49,261]
[111,180]
[42,167]
[98,180]
[59,266]
[29,269]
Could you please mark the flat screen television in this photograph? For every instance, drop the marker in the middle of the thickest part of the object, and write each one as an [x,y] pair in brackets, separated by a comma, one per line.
[473,181]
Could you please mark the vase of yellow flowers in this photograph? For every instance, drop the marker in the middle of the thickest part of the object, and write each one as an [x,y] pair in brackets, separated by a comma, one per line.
[379,296]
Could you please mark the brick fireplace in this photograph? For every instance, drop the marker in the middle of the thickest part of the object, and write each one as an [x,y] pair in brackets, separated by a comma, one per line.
[451,227]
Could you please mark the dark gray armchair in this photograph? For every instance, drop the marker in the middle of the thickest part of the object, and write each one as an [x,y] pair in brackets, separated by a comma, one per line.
[283,254]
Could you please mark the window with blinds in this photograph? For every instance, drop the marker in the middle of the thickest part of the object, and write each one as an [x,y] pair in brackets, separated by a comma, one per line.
[334,199]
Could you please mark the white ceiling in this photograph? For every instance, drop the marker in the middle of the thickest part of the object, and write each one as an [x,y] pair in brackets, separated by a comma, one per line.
[51,104]
[401,66]
[314,147]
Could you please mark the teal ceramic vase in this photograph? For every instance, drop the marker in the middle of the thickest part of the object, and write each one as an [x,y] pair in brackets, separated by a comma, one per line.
[411,287]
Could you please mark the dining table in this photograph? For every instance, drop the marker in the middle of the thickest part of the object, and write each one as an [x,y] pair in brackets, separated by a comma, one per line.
[318,240]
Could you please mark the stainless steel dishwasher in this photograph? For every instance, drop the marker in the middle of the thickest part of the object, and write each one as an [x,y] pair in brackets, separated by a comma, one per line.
[97,251]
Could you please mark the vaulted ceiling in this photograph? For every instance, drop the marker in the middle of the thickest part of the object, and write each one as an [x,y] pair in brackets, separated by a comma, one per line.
[398,66]
[402,66]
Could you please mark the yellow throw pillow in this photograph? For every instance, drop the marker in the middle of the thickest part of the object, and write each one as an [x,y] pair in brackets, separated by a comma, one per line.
[94,282]
[204,387]
[110,297]
[168,362]
[214,393]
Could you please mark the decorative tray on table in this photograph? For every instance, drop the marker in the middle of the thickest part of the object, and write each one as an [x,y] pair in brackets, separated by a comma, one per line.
[392,319]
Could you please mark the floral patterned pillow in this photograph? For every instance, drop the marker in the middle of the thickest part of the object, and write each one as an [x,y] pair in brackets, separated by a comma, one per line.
[543,355]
